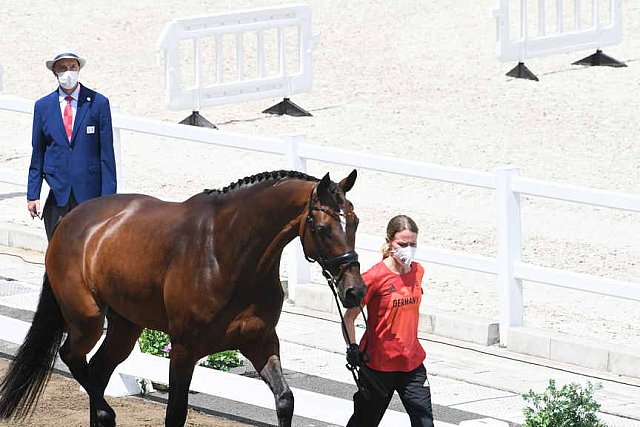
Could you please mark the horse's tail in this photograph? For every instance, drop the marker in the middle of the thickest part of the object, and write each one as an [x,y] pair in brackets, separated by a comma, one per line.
[32,366]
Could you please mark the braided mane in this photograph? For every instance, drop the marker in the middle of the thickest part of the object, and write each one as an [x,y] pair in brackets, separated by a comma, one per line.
[261,177]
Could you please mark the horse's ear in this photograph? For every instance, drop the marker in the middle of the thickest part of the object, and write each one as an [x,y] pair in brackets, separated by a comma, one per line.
[347,183]
[324,195]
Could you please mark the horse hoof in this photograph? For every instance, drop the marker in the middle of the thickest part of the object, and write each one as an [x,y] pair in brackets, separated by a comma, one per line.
[104,419]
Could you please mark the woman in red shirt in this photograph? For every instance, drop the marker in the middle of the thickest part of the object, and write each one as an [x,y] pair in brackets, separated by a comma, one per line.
[390,356]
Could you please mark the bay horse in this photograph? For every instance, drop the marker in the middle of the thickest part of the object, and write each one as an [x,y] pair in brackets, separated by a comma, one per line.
[205,271]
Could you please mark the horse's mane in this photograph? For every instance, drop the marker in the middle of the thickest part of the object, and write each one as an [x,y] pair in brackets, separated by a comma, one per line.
[261,177]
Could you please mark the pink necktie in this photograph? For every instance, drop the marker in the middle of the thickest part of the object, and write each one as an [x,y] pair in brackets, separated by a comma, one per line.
[68,117]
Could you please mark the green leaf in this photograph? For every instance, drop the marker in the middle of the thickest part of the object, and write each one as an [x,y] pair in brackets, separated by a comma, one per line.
[570,406]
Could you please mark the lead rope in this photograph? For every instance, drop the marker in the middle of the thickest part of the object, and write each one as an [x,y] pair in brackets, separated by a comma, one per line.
[353,369]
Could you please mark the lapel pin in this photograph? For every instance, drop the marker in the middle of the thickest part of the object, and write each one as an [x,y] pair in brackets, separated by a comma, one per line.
[88,98]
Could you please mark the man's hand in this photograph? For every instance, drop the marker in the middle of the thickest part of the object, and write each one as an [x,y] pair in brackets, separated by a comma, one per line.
[354,355]
[34,208]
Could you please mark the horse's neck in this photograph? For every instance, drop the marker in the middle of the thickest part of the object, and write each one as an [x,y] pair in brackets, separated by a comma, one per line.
[269,219]
[273,252]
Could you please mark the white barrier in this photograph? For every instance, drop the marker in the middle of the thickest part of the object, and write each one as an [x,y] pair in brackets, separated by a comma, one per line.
[510,271]
[560,34]
[226,36]
[524,31]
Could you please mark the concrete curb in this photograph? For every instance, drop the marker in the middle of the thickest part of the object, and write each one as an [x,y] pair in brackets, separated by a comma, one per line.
[575,350]
[19,237]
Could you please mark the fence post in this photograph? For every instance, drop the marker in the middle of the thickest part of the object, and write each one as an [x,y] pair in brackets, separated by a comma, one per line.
[117,152]
[297,266]
[509,252]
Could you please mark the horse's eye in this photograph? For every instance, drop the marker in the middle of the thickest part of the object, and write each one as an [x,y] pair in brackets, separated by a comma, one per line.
[324,231]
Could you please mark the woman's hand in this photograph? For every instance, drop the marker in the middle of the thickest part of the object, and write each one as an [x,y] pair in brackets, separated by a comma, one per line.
[355,356]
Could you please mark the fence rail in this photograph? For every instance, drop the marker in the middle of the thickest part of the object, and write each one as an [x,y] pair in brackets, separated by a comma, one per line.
[510,271]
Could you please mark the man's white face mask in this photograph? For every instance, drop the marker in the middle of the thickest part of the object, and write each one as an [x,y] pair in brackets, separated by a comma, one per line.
[68,79]
[406,254]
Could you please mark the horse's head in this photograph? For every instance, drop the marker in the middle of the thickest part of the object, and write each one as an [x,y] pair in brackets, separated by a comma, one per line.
[328,236]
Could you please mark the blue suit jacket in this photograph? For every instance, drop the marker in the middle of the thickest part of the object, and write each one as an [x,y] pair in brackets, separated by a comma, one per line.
[86,164]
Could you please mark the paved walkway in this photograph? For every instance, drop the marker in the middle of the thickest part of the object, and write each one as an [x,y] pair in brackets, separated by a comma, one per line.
[467,381]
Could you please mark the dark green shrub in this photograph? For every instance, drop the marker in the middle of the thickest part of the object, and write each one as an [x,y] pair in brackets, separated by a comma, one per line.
[569,406]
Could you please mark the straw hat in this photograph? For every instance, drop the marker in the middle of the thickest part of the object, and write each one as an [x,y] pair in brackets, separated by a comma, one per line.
[65,53]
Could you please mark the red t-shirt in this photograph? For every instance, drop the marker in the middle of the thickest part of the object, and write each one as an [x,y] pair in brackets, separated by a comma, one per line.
[393,303]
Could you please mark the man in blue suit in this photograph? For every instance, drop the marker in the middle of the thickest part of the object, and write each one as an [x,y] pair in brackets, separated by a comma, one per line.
[72,144]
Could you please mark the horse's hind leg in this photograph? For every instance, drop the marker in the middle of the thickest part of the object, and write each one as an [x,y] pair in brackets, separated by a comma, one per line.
[83,334]
[118,343]
[264,354]
[120,339]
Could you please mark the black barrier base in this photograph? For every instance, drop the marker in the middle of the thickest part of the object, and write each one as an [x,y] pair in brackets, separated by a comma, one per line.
[521,71]
[286,106]
[195,119]
[600,59]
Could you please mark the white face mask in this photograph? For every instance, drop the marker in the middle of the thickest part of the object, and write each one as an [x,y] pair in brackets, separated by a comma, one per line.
[68,79]
[406,254]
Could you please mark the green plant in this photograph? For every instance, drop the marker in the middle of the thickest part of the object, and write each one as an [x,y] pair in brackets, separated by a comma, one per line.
[154,342]
[158,344]
[570,406]
[223,361]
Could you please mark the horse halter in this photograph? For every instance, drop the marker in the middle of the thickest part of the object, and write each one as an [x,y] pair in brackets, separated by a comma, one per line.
[343,261]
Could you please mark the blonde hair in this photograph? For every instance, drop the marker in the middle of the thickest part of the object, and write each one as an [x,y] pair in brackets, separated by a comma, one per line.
[396,224]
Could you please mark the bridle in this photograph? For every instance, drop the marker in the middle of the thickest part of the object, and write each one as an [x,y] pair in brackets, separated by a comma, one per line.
[344,261]
[328,264]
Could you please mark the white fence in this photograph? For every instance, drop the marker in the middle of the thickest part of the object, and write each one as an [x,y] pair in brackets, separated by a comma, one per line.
[225,42]
[524,29]
[509,186]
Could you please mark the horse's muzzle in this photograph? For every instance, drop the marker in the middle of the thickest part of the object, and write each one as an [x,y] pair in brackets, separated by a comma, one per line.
[353,297]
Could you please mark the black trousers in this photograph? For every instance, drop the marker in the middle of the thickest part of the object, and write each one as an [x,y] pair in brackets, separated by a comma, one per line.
[52,213]
[412,387]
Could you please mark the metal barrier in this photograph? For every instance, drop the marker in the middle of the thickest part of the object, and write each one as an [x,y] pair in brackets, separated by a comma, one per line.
[508,268]
[225,38]
[526,32]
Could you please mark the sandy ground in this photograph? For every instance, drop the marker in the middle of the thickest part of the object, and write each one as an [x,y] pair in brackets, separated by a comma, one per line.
[411,79]
[58,407]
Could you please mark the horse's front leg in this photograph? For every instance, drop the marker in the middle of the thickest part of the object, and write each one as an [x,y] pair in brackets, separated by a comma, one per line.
[180,374]
[264,354]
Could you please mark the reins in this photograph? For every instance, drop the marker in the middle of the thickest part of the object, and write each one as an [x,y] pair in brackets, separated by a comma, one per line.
[344,261]
[355,369]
